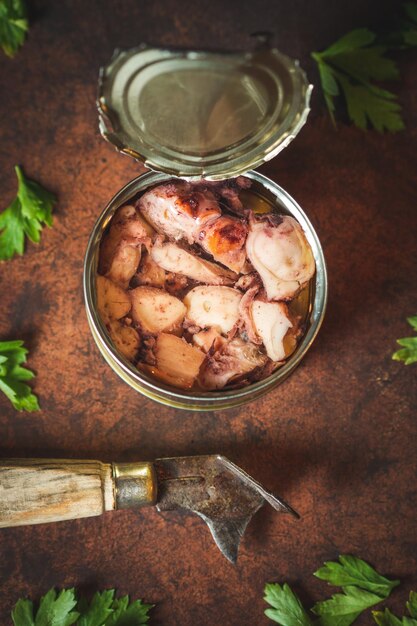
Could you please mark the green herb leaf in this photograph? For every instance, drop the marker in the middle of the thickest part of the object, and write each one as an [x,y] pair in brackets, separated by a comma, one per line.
[386,618]
[12,355]
[343,608]
[99,609]
[13,25]
[328,81]
[330,88]
[54,610]
[103,610]
[22,614]
[350,66]
[411,10]
[410,37]
[126,614]
[412,604]
[351,41]
[413,322]
[366,64]
[410,29]
[354,571]
[287,609]
[26,215]
[409,352]
[364,106]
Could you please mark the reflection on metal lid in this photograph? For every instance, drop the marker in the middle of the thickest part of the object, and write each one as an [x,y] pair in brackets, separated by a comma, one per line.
[202,114]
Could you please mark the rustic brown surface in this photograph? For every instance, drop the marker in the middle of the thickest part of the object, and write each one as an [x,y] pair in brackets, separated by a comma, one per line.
[337,440]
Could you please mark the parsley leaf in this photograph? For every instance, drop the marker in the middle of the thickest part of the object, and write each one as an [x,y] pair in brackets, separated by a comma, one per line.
[13,25]
[410,31]
[351,41]
[412,604]
[12,355]
[103,610]
[26,215]
[125,614]
[54,610]
[343,608]
[99,609]
[22,614]
[364,105]
[350,66]
[287,609]
[386,618]
[408,354]
[353,571]
[362,587]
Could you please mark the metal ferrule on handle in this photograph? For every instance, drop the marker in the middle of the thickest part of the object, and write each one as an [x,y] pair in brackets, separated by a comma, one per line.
[135,485]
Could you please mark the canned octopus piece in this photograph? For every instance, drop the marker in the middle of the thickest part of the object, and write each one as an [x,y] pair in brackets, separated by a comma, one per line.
[193,287]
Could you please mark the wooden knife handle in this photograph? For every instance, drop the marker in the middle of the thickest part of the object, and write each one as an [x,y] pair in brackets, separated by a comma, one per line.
[34,491]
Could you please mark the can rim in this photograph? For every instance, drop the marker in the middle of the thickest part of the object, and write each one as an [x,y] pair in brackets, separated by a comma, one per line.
[210,397]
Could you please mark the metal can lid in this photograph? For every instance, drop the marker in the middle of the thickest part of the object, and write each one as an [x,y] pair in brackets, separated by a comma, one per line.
[197,114]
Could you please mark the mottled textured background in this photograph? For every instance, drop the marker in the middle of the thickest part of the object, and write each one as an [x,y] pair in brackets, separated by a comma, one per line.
[338,439]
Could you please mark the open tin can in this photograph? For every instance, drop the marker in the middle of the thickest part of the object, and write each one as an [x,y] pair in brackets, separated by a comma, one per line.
[195,115]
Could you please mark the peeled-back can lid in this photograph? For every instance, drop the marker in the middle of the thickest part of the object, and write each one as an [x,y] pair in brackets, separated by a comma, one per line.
[196,114]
